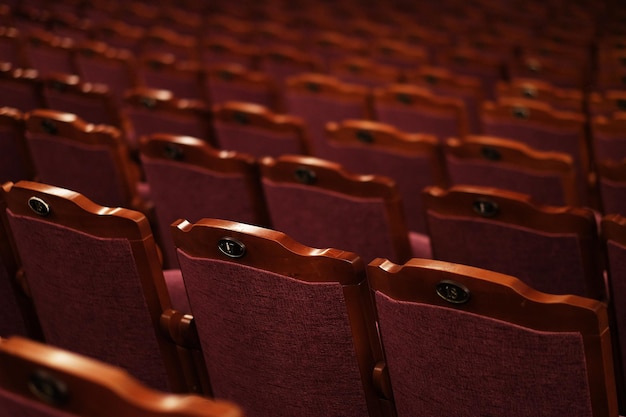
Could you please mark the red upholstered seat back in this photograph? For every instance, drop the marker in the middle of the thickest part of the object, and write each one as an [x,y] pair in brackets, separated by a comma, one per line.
[285,329]
[95,279]
[488,344]
[320,204]
[552,249]
[40,380]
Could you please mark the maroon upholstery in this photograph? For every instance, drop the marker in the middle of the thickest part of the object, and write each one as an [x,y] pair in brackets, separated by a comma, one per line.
[296,351]
[543,187]
[100,64]
[150,110]
[412,161]
[320,204]
[609,137]
[71,296]
[541,128]
[15,160]
[294,333]
[528,254]
[161,71]
[464,341]
[92,103]
[318,100]
[182,189]
[20,89]
[39,380]
[49,56]
[12,322]
[232,82]
[612,185]
[95,280]
[614,238]
[548,177]
[257,131]
[485,368]
[551,249]
[417,110]
[257,141]
[68,164]
[322,218]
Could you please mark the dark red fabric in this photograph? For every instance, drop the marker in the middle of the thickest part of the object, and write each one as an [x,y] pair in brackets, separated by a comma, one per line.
[419,121]
[317,110]
[546,262]
[324,219]
[411,174]
[543,188]
[144,122]
[11,321]
[220,91]
[447,362]
[274,345]
[91,109]
[86,169]
[256,141]
[617,277]
[613,194]
[187,192]
[88,297]
[12,166]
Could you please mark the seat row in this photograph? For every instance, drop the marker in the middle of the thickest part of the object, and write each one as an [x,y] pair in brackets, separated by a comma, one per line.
[46,144]
[553,248]
[285,329]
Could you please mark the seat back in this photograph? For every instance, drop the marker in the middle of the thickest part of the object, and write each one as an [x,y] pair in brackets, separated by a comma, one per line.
[318,99]
[163,71]
[17,314]
[321,204]
[614,241]
[98,63]
[612,186]
[413,161]
[567,99]
[255,130]
[95,279]
[90,159]
[49,54]
[151,110]
[42,380]
[487,343]
[93,103]
[20,88]
[469,61]
[15,160]
[301,339]
[364,72]
[608,137]
[540,127]
[190,179]
[606,103]
[487,161]
[552,249]
[416,110]
[217,49]
[281,62]
[443,82]
[233,82]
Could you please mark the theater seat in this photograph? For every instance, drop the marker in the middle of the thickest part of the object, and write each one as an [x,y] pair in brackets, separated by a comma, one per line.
[286,330]
[463,341]
[95,279]
[42,380]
